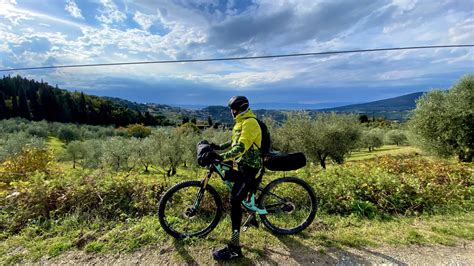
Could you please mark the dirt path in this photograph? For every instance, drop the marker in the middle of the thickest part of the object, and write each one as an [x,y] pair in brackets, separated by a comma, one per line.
[291,253]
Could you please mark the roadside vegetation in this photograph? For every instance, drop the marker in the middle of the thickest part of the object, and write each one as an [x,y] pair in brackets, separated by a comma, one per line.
[95,189]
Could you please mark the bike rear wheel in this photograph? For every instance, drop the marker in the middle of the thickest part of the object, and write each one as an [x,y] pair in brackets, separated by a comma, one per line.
[178,215]
[291,205]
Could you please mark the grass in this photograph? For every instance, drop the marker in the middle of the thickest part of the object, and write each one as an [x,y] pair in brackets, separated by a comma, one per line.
[364,154]
[96,235]
[55,145]
[100,236]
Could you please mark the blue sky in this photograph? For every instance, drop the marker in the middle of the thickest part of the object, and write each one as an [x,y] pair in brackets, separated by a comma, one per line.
[36,33]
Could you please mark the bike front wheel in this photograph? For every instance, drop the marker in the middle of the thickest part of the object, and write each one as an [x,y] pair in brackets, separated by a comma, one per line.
[181,216]
[291,205]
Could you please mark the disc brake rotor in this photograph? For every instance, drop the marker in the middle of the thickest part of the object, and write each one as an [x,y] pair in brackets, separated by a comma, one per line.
[289,207]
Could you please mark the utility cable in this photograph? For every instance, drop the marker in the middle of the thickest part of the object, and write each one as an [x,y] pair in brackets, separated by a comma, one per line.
[240,58]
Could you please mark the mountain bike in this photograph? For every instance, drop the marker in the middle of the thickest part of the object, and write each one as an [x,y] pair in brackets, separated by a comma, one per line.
[286,205]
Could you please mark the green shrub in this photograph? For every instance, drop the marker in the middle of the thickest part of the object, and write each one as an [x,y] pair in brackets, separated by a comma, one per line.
[38,129]
[389,185]
[46,197]
[394,185]
[57,248]
[138,131]
[364,209]
[13,144]
[396,137]
[28,161]
[68,134]
[94,247]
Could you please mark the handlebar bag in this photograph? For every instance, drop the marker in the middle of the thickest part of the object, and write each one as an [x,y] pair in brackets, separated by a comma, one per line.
[205,154]
[203,150]
[280,161]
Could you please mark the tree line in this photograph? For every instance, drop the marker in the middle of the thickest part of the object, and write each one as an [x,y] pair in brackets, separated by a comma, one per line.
[441,123]
[33,100]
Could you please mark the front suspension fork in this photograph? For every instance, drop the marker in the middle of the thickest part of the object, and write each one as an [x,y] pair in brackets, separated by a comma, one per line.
[200,195]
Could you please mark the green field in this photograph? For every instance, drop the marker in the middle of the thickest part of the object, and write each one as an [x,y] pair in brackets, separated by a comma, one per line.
[112,227]
[384,150]
[55,145]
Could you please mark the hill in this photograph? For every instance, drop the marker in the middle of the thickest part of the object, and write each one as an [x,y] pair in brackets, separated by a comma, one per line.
[400,103]
[30,99]
[33,100]
[396,108]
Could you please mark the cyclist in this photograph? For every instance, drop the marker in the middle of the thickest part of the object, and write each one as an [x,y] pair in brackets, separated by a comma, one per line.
[244,151]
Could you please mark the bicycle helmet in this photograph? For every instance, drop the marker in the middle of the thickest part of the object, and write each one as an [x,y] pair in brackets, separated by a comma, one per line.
[239,103]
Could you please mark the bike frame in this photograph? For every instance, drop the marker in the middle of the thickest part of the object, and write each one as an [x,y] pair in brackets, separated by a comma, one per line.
[220,169]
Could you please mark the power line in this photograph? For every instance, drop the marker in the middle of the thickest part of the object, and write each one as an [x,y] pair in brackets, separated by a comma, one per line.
[240,58]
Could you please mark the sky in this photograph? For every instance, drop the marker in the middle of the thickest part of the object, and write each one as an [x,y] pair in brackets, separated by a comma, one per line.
[60,32]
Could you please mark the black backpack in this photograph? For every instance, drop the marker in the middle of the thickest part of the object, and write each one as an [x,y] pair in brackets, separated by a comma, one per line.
[266,145]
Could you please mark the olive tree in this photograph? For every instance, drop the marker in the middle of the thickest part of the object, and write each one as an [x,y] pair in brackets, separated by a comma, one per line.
[217,136]
[444,120]
[189,139]
[371,139]
[117,153]
[327,136]
[170,153]
[75,151]
[68,133]
[39,129]
[10,125]
[13,144]
[281,136]
[93,153]
[396,137]
[144,150]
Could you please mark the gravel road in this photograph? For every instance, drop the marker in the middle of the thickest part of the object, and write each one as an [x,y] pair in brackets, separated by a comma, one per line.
[290,253]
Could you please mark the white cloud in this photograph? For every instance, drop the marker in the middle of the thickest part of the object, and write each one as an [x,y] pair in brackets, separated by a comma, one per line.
[109,13]
[73,9]
[17,15]
[396,27]
[462,32]
[399,74]
[242,80]
[187,35]
[8,10]
[145,21]
[405,5]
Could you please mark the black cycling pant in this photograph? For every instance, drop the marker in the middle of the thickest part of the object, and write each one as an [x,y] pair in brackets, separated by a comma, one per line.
[244,181]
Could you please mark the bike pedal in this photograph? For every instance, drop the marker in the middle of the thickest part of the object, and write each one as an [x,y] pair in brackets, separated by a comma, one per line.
[251,221]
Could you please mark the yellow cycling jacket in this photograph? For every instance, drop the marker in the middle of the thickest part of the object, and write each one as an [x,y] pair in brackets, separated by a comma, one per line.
[246,141]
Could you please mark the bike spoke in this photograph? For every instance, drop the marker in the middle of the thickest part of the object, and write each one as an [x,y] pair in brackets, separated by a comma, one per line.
[288,204]
[182,201]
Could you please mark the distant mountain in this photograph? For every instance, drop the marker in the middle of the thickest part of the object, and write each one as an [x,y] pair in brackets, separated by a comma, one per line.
[400,103]
[189,106]
[20,97]
[295,106]
[397,108]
